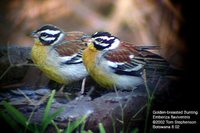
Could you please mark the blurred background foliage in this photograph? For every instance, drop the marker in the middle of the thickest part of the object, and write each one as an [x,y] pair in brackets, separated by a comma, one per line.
[142,22]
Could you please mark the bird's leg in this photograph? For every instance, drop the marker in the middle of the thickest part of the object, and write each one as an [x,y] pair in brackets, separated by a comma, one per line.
[83,86]
[61,89]
[61,93]
[92,88]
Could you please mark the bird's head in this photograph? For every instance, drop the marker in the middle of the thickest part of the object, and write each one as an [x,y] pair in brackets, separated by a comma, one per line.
[48,35]
[103,41]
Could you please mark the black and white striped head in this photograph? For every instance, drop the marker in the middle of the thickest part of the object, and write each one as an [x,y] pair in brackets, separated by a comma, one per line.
[105,41]
[48,34]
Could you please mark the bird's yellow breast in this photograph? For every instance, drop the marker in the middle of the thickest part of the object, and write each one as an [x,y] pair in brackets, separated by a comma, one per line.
[98,74]
[40,55]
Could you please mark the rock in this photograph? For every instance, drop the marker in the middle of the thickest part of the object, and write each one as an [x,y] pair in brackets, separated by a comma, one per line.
[16,65]
[42,91]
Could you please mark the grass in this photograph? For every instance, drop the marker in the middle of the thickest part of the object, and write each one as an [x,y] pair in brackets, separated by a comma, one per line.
[22,124]
[19,123]
[150,98]
[16,119]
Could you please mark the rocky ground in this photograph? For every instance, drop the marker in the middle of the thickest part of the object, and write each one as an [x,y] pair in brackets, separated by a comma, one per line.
[25,87]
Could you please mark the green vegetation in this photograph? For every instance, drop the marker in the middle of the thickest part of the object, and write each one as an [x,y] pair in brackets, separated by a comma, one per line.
[21,124]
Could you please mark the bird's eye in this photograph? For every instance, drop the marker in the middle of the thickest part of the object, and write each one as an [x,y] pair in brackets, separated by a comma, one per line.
[99,40]
[43,35]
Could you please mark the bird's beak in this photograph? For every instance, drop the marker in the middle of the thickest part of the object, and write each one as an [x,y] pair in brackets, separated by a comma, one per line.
[86,39]
[33,34]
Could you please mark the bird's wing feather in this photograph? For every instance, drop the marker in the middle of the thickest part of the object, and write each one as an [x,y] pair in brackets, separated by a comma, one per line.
[123,61]
[131,60]
[70,49]
[146,54]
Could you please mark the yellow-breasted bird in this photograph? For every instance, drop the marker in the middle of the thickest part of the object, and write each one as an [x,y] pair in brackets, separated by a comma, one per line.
[59,54]
[113,63]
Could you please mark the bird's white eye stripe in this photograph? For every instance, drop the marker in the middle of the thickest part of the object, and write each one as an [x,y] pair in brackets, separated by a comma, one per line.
[48,38]
[115,44]
[103,44]
[52,32]
[105,38]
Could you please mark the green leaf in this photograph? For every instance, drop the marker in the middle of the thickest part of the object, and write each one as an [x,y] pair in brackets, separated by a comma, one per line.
[56,127]
[10,121]
[50,118]
[36,129]
[72,126]
[89,131]
[101,128]
[18,116]
[48,107]
[82,127]
[136,130]
[46,118]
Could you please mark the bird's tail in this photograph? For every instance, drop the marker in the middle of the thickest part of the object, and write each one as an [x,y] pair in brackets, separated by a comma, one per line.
[156,63]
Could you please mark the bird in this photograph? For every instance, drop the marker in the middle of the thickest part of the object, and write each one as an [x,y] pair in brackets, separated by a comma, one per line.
[59,54]
[113,63]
